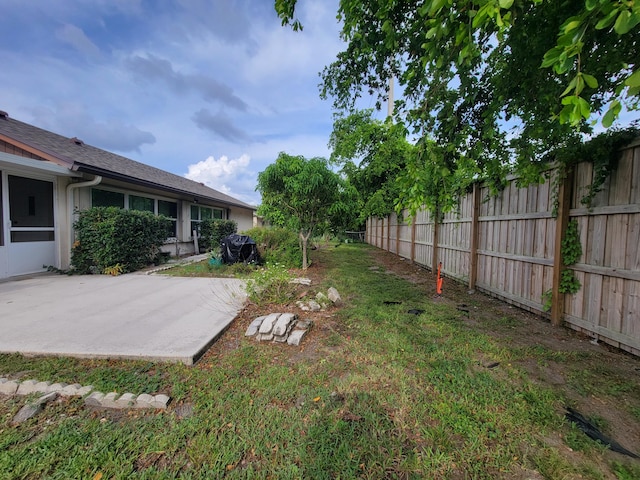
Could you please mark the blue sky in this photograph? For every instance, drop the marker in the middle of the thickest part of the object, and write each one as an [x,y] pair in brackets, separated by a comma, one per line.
[210,89]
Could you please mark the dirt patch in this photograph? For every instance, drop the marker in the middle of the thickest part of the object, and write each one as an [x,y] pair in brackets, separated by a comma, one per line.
[316,343]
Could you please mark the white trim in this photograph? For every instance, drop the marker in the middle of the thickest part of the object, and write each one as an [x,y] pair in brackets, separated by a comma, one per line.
[28,164]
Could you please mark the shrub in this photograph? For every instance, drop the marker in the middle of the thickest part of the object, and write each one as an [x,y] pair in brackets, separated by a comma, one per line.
[110,237]
[270,284]
[212,232]
[277,245]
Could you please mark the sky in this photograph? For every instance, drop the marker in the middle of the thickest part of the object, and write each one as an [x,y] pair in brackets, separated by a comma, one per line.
[208,89]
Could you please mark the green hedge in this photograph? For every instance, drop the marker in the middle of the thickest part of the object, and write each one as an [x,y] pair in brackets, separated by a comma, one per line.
[214,230]
[114,240]
[277,245]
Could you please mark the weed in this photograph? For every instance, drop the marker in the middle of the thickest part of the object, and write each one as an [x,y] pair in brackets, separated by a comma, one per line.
[114,270]
[270,284]
[626,471]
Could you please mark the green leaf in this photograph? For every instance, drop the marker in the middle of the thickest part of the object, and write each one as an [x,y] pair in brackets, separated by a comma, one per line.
[551,57]
[579,84]
[506,4]
[585,108]
[623,22]
[571,86]
[608,20]
[590,80]
[435,6]
[633,80]
[612,114]
[590,4]
[568,27]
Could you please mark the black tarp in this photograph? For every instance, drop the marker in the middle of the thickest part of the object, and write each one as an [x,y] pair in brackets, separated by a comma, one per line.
[239,248]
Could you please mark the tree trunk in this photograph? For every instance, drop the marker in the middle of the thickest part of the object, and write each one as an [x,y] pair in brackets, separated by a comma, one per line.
[304,239]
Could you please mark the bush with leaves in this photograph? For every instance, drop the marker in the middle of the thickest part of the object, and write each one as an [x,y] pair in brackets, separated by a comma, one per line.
[271,284]
[109,236]
[277,245]
[212,232]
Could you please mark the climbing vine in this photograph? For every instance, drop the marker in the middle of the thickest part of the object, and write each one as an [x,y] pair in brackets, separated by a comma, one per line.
[602,151]
[571,251]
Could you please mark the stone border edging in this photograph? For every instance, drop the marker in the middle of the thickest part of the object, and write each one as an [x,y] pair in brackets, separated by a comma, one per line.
[92,398]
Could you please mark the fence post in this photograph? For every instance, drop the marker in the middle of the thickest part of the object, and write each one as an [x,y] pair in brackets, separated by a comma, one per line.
[413,239]
[434,253]
[397,235]
[564,204]
[389,233]
[473,247]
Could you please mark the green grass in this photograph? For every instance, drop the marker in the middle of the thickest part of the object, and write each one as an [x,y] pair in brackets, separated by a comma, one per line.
[393,395]
[205,269]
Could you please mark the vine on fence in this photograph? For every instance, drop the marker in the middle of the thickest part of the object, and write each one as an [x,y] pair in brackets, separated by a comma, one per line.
[571,251]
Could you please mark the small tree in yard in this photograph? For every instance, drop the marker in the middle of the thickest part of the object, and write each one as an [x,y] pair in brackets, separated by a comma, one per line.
[300,194]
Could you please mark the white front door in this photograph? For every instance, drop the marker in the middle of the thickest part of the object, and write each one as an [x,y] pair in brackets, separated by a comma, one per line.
[30,243]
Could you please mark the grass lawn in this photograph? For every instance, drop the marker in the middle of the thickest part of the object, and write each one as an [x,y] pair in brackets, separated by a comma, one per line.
[471,388]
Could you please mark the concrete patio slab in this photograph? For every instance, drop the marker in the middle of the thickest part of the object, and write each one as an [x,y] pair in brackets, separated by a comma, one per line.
[134,316]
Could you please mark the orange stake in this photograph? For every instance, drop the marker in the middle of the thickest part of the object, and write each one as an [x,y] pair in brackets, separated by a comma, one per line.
[439,280]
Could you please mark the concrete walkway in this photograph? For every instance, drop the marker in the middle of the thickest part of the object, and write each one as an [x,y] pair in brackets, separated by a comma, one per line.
[134,316]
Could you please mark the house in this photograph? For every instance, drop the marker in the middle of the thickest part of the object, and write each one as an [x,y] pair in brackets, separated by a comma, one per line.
[45,178]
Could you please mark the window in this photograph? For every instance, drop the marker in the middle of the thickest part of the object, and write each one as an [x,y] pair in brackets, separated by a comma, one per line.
[108,198]
[143,204]
[198,214]
[170,210]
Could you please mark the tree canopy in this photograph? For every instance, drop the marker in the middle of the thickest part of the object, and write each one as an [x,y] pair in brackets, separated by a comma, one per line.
[372,154]
[497,84]
[301,194]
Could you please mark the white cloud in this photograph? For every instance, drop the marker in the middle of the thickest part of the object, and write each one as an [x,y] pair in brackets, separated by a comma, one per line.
[224,175]
[76,38]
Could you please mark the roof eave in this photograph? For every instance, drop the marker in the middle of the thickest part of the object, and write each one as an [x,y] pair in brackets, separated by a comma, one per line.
[145,183]
[57,159]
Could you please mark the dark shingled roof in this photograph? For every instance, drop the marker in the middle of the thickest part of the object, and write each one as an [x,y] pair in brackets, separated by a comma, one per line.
[77,155]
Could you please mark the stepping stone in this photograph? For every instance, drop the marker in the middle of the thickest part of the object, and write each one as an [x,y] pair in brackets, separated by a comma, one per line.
[27,387]
[42,387]
[304,324]
[109,400]
[94,400]
[268,323]
[334,296]
[255,325]
[71,390]
[160,401]
[282,324]
[127,400]
[144,400]
[8,387]
[296,337]
[57,387]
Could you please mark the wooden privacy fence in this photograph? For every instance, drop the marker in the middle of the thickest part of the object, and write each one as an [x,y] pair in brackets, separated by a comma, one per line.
[509,246]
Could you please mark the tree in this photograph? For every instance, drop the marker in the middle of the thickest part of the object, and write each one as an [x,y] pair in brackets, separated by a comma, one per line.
[372,154]
[300,194]
[498,84]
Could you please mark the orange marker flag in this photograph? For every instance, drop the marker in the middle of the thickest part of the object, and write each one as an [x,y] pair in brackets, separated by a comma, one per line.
[439,280]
